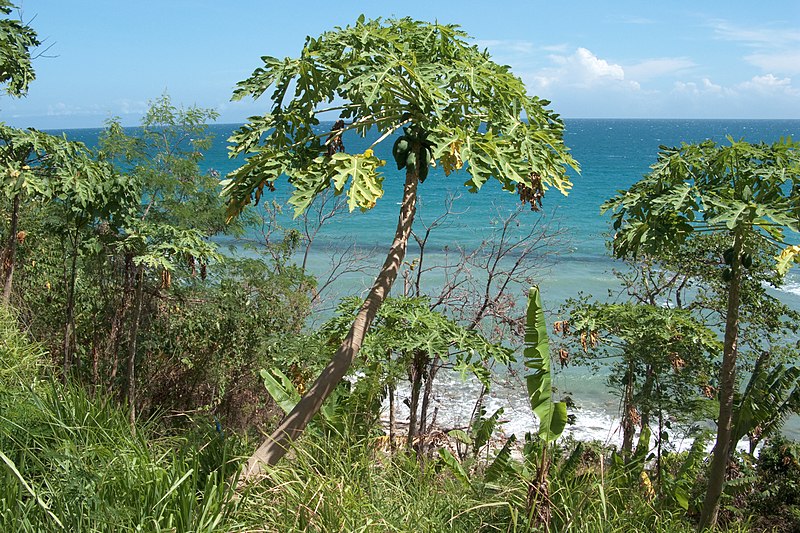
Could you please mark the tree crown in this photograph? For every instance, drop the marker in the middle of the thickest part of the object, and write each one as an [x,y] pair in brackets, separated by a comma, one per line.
[750,189]
[380,76]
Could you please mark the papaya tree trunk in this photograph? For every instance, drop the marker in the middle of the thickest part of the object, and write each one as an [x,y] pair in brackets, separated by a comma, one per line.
[292,426]
[628,412]
[727,384]
[433,369]
[10,251]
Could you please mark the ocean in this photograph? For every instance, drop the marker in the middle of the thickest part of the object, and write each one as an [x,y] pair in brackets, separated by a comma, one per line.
[613,154]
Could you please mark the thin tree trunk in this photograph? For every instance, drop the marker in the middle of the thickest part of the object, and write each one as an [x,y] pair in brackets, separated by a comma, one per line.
[292,426]
[391,418]
[433,369]
[69,326]
[134,333]
[727,383]
[418,365]
[10,251]
[112,348]
[628,425]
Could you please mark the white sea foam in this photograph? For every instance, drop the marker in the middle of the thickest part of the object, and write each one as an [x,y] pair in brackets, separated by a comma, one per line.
[791,287]
[453,404]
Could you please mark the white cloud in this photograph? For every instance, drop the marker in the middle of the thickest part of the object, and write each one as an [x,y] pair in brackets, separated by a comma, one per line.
[705,87]
[654,68]
[582,69]
[783,62]
[770,37]
[775,49]
[126,106]
[770,84]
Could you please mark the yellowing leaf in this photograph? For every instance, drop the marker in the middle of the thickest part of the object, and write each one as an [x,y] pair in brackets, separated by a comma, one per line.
[791,254]
[366,184]
[451,158]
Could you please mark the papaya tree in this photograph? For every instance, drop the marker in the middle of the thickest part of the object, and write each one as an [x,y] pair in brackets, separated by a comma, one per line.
[747,192]
[38,167]
[453,104]
[659,359]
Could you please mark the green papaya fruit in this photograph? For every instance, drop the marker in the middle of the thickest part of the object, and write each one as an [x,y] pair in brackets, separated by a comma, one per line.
[400,151]
[424,163]
[727,275]
[411,161]
[747,260]
[727,255]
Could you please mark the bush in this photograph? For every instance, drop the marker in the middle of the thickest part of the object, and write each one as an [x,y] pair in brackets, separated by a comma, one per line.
[776,496]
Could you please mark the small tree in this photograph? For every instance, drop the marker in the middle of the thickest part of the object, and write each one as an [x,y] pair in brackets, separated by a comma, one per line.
[457,107]
[748,192]
[35,166]
[659,359]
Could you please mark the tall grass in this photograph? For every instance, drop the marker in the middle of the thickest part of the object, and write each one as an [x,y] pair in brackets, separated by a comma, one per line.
[69,462]
[74,464]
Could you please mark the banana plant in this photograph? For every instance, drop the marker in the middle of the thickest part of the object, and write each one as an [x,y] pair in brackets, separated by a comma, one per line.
[552,415]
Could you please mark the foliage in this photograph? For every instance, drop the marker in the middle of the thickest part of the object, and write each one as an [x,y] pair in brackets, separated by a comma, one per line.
[552,415]
[381,76]
[747,192]
[16,41]
[207,339]
[659,359]
[771,395]
[72,463]
[163,156]
[20,359]
[44,167]
[405,326]
[708,187]
[776,497]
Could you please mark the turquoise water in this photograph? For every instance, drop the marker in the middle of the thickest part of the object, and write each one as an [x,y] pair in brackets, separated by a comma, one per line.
[613,154]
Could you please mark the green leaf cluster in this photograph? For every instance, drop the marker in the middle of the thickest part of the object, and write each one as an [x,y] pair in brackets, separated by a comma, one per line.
[43,167]
[16,41]
[552,415]
[405,326]
[380,76]
[709,187]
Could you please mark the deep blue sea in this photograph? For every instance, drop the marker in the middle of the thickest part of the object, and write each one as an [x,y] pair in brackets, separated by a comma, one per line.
[612,154]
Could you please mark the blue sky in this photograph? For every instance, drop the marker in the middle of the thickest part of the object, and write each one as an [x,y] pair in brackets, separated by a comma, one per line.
[627,59]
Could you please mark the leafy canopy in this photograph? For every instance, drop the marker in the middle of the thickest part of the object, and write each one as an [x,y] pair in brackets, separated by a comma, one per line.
[741,187]
[379,76]
[16,41]
[406,325]
[47,167]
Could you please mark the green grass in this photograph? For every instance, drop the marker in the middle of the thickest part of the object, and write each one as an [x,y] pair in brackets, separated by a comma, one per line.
[73,461]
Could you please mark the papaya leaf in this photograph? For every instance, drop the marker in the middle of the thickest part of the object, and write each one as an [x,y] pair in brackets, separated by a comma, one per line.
[366,186]
[789,255]
[502,462]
